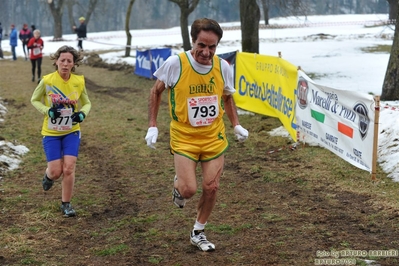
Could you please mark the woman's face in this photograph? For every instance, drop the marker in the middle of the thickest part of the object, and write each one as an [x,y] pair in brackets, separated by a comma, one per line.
[36,35]
[65,63]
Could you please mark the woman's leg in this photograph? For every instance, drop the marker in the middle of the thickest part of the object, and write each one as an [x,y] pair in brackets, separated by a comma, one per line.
[33,63]
[39,68]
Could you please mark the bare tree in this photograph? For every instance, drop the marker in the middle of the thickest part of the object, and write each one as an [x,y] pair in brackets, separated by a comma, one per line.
[129,36]
[285,7]
[70,4]
[265,8]
[56,8]
[393,9]
[89,11]
[249,17]
[186,7]
[390,88]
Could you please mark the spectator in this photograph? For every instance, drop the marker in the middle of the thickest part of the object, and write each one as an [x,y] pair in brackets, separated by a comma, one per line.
[13,41]
[32,28]
[35,45]
[81,31]
[24,35]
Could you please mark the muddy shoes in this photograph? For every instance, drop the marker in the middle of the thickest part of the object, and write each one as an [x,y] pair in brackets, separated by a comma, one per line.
[198,239]
[47,183]
[67,210]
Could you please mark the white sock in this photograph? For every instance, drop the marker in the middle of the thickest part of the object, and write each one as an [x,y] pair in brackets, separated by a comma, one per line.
[199,226]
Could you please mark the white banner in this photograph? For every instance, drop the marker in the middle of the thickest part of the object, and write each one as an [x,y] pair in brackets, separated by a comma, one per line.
[341,121]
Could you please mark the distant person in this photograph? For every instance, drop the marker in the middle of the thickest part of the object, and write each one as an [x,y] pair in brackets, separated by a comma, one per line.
[201,88]
[24,35]
[81,31]
[13,41]
[58,97]
[1,37]
[35,45]
[32,27]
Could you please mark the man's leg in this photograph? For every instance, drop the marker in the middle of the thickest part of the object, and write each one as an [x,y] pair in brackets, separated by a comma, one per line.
[211,172]
[14,56]
[186,183]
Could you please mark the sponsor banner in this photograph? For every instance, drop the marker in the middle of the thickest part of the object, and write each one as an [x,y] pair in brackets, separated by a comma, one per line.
[341,121]
[148,61]
[266,85]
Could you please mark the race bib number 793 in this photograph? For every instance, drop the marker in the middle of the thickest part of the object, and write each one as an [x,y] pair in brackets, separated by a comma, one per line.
[203,110]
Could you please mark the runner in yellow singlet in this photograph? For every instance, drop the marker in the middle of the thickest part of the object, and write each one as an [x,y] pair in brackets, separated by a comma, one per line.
[58,97]
[200,87]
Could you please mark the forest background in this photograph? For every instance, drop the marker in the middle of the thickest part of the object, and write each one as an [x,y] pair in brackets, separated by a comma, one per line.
[110,15]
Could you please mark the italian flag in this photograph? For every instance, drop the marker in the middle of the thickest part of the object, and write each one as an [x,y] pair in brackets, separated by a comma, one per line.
[342,128]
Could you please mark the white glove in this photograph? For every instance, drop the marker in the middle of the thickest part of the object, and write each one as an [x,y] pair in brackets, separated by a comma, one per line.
[151,137]
[241,133]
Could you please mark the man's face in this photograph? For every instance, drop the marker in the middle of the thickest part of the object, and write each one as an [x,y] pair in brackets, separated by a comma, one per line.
[204,47]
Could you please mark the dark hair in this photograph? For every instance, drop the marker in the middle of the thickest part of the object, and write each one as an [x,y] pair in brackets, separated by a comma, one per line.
[77,57]
[205,24]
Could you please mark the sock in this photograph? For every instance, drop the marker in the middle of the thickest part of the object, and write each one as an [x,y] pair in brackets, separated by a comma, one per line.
[65,203]
[48,178]
[199,226]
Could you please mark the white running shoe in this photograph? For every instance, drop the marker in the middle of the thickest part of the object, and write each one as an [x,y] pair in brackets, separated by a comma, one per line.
[198,239]
[177,199]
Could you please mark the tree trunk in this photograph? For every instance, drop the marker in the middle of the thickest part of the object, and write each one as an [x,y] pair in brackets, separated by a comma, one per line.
[92,6]
[184,30]
[390,88]
[70,5]
[56,11]
[127,29]
[393,9]
[249,16]
[186,7]
[265,8]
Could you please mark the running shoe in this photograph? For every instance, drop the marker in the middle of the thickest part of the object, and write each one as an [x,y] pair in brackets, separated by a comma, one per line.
[177,199]
[47,183]
[198,238]
[67,210]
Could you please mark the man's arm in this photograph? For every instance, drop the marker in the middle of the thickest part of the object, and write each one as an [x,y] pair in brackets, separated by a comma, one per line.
[231,109]
[154,102]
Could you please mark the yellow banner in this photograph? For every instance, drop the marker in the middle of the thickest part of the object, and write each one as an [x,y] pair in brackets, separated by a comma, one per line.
[266,85]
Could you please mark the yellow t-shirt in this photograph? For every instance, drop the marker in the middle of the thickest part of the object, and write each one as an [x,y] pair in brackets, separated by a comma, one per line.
[53,91]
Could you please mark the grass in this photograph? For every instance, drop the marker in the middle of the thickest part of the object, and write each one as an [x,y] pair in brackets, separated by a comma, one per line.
[377,49]
[273,208]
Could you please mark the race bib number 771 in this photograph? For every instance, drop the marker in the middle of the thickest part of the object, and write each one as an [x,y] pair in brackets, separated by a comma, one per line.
[203,110]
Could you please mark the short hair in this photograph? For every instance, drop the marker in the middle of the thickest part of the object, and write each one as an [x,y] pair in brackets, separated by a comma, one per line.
[205,24]
[36,31]
[77,56]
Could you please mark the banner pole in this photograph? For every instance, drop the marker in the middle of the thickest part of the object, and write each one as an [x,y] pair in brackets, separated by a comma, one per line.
[375,139]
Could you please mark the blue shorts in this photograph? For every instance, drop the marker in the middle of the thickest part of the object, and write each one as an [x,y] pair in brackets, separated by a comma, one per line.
[55,147]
